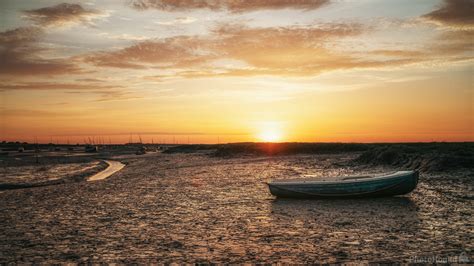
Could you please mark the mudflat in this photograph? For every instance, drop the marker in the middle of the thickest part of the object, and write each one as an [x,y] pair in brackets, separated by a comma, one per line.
[201,208]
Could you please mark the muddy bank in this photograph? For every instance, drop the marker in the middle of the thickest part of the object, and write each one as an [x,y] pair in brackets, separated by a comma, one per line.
[44,159]
[428,157]
[27,176]
[198,208]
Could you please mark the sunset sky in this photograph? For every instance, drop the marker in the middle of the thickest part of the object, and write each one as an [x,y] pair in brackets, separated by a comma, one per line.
[229,71]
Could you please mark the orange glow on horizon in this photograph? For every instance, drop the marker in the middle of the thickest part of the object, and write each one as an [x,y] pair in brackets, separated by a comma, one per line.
[179,79]
[270,132]
[270,136]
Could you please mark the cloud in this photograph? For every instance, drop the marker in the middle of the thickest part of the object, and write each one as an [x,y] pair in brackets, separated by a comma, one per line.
[279,51]
[171,52]
[456,23]
[89,80]
[453,13]
[109,93]
[19,36]
[180,20]
[20,55]
[399,53]
[55,86]
[107,96]
[454,42]
[230,5]
[341,63]
[283,48]
[62,15]
[145,133]
[28,113]
[289,51]
[106,92]
[259,47]
[123,36]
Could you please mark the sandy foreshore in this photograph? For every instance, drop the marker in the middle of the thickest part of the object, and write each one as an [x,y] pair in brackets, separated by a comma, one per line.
[199,208]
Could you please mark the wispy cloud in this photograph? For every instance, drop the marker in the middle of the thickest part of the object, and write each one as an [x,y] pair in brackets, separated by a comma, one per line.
[230,5]
[20,55]
[283,51]
[265,48]
[56,86]
[62,15]
[170,52]
[179,20]
[454,42]
[123,36]
[105,91]
[16,113]
[399,53]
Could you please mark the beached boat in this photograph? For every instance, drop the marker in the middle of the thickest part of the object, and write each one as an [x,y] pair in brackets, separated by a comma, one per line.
[91,148]
[398,183]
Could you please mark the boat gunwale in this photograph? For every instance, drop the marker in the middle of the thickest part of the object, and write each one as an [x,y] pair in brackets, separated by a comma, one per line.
[397,174]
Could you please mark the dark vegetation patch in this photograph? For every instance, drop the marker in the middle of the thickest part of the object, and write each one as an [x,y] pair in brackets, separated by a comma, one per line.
[288,148]
[191,148]
[426,157]
[251,148]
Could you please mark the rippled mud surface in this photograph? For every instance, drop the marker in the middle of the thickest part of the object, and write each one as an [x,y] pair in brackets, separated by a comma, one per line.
[37,173]
[195,208]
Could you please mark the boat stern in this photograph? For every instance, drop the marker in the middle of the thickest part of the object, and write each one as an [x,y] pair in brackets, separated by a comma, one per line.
[282,193]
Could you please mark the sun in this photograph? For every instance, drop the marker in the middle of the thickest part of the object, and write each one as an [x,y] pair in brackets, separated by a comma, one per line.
[270,134]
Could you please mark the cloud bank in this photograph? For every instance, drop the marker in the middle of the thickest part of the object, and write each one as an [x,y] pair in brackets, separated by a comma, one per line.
[61,15]
[230,5]
[20,55]
[453,13]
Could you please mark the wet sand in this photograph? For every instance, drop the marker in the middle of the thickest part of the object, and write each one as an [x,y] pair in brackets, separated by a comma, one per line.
[27,174]
[35,173]
[196,208]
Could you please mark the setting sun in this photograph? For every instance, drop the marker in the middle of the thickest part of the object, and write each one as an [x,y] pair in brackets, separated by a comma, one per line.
[270,136]
[270,132]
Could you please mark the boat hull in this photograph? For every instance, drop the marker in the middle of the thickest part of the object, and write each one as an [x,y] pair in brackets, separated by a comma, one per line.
[399,183]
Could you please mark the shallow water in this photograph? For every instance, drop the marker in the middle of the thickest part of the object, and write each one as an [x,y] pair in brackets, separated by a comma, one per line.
[114,166]
[195,208]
